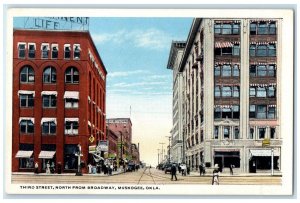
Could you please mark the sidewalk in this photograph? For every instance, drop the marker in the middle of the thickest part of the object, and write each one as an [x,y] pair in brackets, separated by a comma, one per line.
[227,174]
[119,171]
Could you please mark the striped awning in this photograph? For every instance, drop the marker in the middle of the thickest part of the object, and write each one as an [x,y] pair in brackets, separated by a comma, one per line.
[49,93]
[262,63]
[264,43]
[223,44]
[262,20]
[46,154]
[223,106]
[24,154]
[264,152]
[262,85]
[72,119]
[227,21]
[71,95]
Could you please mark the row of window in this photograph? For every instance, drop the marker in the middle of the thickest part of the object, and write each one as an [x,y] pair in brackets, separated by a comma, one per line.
[263,92]
[262,70]
[228,51]
[45,51]
[227,91]
[27,75]
[262,111]
[49,101]
[227,70]
[262,50]
[227,112]
[49,128]
[225,134]
[256,28]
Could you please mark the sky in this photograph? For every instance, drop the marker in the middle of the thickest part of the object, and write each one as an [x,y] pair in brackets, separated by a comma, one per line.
[135,53]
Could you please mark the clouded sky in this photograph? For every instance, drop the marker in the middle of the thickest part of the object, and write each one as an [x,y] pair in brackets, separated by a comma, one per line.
[135,53]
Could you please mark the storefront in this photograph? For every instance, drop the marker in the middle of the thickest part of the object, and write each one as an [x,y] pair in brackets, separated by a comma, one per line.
[226,157]
[261,159]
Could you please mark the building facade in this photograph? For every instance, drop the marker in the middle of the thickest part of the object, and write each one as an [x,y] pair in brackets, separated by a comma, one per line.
[59,88]
[231,71]
[175,56]
[112,139]
[135,151]
[123,128]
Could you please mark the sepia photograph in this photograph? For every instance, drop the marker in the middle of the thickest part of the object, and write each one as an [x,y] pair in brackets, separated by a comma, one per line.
[149,101]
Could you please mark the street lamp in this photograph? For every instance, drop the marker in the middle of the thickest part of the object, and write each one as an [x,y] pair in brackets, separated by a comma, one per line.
[79,154]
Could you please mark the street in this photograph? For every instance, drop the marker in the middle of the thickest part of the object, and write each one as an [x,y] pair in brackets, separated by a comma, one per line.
[144,176]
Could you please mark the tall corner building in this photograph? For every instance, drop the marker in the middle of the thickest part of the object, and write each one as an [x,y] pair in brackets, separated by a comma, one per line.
[231,97]
[175,56]
[59,88]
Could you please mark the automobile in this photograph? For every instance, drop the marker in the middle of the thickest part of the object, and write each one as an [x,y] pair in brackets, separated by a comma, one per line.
[167,168]
[131,167]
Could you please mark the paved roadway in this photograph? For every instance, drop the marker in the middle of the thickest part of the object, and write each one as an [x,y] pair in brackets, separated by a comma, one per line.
[143,176]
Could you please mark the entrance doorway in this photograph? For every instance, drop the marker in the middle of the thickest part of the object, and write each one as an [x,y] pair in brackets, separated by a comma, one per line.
[226,158]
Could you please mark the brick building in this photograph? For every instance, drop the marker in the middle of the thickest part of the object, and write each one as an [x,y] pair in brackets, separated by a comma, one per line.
[135,151]
[59,88]
[123,128]
[112,139]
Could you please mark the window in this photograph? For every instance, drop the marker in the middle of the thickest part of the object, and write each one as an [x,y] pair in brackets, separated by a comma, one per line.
[72,75]
[217,113]
[227,51]
[272,28]
[271,70]
[67,50]
[217,28]
[226,132]
[54,51]
[21,50]
[77,51]
[71,103]
[262,29]
[236,91]
[226,70]
[252,70]
[261,70]
[26,126]
[261,50]
[236,133]
[216,132]
[272,50]
[26,100]
[71,128]
[236,28]
[253,28]
[261,92]
[217,91]
[271,91]
[49,75]
[271,112]
[236,50]
[261,133]
[251,133]
[226,29]
[272,133]
[236,111]
[217,71]
[45,50]
[236,71]
[31,50]
[252,49]
[49,101]
[261,111]
[252,111]
[252,92]
[226,113]
[27,74]
[226,91]
[49,128]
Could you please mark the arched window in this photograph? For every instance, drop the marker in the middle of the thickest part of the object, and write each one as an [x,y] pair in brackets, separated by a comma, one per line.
[27,74]
[72,75]
[49,75]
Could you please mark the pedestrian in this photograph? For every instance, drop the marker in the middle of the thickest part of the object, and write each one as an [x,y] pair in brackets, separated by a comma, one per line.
[231,169]
[179,168]
[188,169]
[215,177]
[90,168]
[183,169]
[173,172]
[201,169]
[36,167]
[48,168]
[52,168]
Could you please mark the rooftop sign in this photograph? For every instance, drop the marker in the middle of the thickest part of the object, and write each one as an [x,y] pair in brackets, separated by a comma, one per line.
[57,23]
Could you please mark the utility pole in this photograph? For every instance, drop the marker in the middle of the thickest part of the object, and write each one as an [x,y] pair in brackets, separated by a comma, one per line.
[162,150]
[158,155]
[169,158]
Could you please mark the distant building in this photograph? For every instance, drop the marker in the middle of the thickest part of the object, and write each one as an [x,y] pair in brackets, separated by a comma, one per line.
[231,71]
[135,151]
[123,128]
[175,56]
[112,139]
[59,88]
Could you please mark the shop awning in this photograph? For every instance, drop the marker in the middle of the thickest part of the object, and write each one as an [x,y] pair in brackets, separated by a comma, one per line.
[263,152]
[71,95]
[223,44]
[46,154]
[24,154]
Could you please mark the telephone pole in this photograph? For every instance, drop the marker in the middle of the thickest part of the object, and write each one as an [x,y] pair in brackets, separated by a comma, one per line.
[169,158]
[158,155]
[162,150]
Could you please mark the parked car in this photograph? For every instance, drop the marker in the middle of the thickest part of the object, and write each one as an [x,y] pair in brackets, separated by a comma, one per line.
[167,168]
[131,167]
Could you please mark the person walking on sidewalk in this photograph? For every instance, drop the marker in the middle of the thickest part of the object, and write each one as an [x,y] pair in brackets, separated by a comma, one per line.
[215,177]
[36,168]
[231,169]
[173,172]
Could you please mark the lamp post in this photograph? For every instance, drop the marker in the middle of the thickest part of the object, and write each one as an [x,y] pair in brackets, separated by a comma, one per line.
[272,161]
[79,154]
